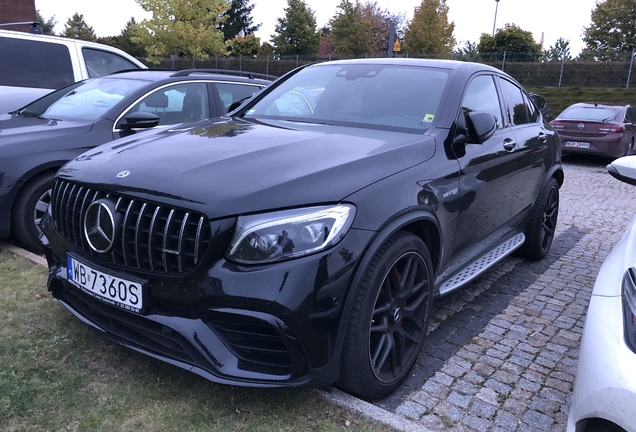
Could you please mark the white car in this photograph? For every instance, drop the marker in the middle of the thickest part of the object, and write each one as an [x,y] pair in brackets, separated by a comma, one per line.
[604,396]
[39,64]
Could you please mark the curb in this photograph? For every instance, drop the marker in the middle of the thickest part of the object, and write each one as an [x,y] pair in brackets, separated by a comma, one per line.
[37,259]
[371,411]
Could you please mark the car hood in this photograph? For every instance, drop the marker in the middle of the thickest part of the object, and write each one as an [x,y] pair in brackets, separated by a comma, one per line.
[237,167]
[16,130]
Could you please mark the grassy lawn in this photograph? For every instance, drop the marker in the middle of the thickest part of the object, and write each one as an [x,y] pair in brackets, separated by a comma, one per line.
[559,99]
[56,375]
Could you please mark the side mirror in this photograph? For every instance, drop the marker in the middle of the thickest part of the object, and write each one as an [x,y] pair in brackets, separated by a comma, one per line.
[624,169]
[237,103]
[475,127]
[140,120]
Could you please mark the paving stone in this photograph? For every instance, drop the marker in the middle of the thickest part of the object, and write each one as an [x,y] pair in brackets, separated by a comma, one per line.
[459,400]
[483,409]
[506,421]
[412,410]
[537,419]
[498,386]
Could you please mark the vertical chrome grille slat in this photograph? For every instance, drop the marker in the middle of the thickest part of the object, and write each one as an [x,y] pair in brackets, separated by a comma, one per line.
[176,238]
[184,223]
[166,233]
[137,231]
[197,240]
[124,231]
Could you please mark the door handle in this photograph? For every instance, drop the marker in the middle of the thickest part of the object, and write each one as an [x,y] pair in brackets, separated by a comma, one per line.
[543,137]
[509,144]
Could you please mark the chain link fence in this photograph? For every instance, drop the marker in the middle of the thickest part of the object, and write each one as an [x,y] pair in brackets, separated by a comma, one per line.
[600,70]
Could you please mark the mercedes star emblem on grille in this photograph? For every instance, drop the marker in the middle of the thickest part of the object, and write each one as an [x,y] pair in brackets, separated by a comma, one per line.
[99,226]
[122,174]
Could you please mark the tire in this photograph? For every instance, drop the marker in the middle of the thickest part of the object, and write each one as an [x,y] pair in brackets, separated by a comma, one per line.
[542,224]
[630,148]
[30,205]
[389,319]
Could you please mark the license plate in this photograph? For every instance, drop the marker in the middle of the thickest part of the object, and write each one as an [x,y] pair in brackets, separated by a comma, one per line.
[116,291]
[577,144]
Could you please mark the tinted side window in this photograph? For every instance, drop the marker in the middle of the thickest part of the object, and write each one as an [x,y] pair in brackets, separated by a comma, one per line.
[234,92]
[517,109]
[631,115]
[178,103]
[100,63]
[481,95]
[533,112]
[27,63]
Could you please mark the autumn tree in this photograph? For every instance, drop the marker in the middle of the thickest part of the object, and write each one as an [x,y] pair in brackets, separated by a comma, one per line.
[124,41]
[381,23]
[76,28]
[296,32]
[518,44]
[612,32]
[244,45]
[238,20]
[47,24]
[188,27]
[467,52]
[558,52]
[350,31]
[429,32]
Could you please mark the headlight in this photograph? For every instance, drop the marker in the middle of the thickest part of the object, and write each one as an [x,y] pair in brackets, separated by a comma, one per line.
[629,307]
[289,234]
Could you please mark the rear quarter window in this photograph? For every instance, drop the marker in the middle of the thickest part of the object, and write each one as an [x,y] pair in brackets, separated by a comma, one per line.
[37,64]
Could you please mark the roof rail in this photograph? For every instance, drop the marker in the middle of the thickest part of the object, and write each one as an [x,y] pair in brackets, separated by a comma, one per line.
[250,75]
[36,27]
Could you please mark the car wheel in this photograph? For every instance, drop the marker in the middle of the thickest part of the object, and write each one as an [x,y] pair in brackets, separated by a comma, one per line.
[630,148]
[542,224]
[389,320]
[29,207]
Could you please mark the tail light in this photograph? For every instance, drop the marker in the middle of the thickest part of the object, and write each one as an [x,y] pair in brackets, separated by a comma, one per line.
[557,125]
[613,128]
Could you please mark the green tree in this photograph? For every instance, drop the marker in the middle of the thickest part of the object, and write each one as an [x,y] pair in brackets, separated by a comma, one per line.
[47,24]
[381,21]
[76,28]
[124,41]
[296,32]
[266,49]
[351,32]
[518,44]
[429,32]
[468,52]
[612,32]
[238,20]
[244,45]
[558,52]
[188,27]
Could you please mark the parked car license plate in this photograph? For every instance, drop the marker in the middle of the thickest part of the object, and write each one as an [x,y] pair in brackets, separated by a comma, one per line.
[116,291]
[576,144]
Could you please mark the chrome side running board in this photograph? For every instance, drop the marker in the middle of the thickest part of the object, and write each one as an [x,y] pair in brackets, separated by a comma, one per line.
[481,264]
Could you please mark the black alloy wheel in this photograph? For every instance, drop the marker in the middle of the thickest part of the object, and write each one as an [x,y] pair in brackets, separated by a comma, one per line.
[30,206]
[543,221]
[390,318]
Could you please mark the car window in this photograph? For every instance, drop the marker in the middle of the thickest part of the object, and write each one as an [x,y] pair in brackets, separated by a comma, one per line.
[631,115]
[177,103]
[588,113]
[533,112]
[481,95]
[516,111]
[373,96]
[231,92]
[92,99]
[37,64]
[100,63]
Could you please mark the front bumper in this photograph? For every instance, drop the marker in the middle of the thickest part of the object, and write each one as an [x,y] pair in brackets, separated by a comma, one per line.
[268,326]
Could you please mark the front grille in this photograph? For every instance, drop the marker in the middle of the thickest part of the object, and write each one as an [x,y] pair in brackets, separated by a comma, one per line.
[151,237]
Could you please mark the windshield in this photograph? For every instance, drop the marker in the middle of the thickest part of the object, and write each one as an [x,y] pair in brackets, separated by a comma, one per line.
[376,96]
[589,113]
[85,100]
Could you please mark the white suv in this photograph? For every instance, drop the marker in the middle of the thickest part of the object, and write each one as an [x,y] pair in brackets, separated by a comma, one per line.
[33,65]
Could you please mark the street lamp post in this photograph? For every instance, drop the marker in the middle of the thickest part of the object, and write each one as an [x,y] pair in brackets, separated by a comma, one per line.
[495,22]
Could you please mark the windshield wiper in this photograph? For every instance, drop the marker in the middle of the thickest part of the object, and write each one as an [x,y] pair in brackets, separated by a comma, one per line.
[310,122]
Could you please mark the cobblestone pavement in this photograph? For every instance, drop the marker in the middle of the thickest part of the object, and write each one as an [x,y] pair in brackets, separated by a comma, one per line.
[501,353]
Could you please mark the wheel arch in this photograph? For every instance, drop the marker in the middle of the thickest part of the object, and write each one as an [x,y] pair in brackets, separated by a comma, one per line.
[421,223]
[46,169]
